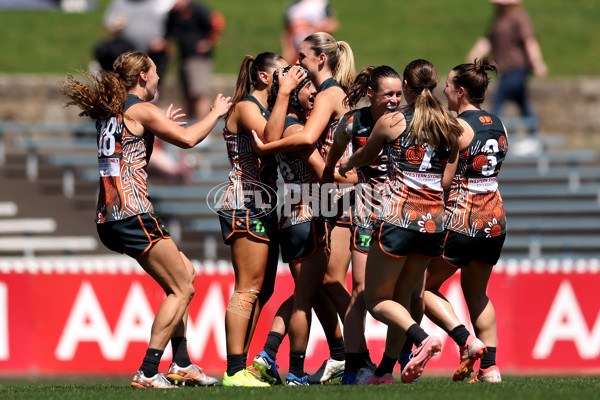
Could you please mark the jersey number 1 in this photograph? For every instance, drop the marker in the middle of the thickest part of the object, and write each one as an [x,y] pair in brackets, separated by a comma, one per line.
[106,143]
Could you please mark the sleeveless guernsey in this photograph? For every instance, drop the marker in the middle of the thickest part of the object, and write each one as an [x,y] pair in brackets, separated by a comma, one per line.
[122,161]
[250,175]
[299,183]
[474,205]
[326,140]
[413,189]
[371,176]
[361,130]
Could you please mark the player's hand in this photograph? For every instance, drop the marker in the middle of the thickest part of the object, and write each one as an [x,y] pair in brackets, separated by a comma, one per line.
[257,144]
[174,114]
[221,105]
[291,80]
[344,168]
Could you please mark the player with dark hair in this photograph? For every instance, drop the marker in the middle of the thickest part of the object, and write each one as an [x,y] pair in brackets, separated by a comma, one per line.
[383,87]
[475,221]
[247,213]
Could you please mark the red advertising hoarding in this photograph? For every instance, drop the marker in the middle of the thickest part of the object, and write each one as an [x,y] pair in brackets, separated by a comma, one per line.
[88,320]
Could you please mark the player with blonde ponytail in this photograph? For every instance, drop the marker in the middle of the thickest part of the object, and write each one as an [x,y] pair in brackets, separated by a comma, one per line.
[331,67]
[422,139]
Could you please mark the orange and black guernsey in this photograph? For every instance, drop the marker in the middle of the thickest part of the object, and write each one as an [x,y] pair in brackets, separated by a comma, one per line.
[326,140]
[122,161]
[250,174]
[300,184]
[474,206]
[362,126]
[372,175]
[413,193]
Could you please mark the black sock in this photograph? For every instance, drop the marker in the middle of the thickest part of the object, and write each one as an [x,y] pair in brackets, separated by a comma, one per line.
[180,353]
[460,334]
[416,335]
[365,359]
[274,340]
[407,347]
[336,349]
[489,358]
[353,361]
[235,363]
[151,360]
[297,363]
[385,366]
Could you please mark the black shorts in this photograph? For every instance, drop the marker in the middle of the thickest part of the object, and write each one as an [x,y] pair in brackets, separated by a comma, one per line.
[461,250]
[361,238]
[134,235]
[299,242]
[256,223]
[399,242]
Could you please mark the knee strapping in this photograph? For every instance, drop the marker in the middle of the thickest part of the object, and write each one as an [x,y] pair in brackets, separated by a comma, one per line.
[242,303]
[376,311]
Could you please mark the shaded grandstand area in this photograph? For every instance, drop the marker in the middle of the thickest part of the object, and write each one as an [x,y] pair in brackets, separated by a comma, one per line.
[551,196]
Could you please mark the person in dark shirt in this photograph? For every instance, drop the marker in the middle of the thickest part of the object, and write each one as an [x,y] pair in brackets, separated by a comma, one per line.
[196,29]
[516,51]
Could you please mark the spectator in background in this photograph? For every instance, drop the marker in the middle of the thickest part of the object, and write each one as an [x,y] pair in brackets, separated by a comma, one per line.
[135,25]
[196,30]
[302,19]
[140,25]
[516,51]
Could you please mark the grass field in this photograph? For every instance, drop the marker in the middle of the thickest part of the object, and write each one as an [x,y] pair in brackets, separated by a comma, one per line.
[429,388]
[380,32]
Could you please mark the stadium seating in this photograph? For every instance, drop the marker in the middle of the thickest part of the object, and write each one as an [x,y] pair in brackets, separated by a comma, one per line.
[552,198]
[25,236]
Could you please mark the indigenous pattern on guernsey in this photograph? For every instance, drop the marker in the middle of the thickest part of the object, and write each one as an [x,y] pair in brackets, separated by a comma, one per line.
[122,161]
[250,175]
[413,189]
[474,205]
[301,194]
[326,140]
[372,176]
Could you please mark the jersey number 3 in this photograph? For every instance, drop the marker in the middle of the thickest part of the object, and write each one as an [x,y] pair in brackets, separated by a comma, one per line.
[490,149]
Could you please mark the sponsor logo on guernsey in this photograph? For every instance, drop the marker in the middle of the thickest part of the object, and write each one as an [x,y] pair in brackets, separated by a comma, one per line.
[419,180]
[109,167]
[486,120]
[483,185]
